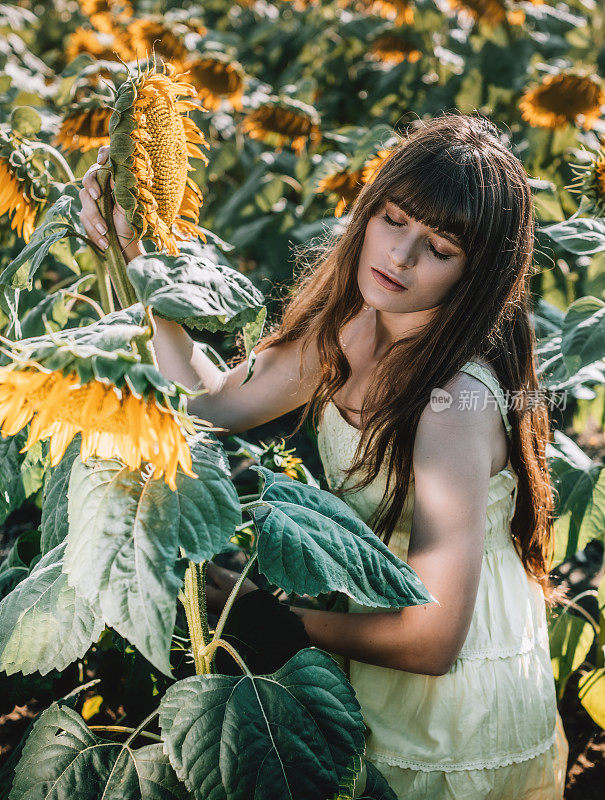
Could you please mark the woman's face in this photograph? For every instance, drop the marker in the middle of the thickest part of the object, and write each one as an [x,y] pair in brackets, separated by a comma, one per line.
[404,265]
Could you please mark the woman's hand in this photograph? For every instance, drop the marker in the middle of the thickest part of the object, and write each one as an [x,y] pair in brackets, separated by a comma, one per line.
[94,224]
[219,583]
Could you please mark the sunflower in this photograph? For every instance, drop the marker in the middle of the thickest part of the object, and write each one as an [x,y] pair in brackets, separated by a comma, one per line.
[393,49]
[24,184]
[215,77]
[63,384]
[560,99]
[281,121]
[399,12]
[343,183]
[84,128]
[289,466]
[590,182]
[148,36]
[151,143]
[372,165]
[491,12]
[108,45]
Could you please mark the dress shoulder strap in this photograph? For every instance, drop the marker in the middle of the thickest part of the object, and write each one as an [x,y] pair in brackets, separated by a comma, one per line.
[485,376]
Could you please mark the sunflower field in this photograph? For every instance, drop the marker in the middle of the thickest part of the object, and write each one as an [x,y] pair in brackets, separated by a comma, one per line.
[238,132]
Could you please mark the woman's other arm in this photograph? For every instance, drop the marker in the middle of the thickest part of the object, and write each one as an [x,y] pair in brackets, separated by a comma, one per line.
[280,382]
[452,464]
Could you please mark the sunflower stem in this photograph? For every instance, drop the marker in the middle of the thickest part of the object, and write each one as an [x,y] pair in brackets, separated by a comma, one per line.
[116,264]
[103,285]
[194,601]
[232,597]
[56,158]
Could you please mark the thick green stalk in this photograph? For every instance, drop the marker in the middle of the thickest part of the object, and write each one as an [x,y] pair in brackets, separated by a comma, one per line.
[116,264]
[103,285]
[194,601]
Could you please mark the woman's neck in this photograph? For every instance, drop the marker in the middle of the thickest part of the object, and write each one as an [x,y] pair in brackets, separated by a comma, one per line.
[390,327]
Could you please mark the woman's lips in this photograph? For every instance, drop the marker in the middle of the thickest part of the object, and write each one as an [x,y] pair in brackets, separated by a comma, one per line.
[388,283]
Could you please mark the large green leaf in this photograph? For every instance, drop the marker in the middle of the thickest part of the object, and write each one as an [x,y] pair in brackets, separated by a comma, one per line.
[194,291]
[591,690]
[63,759]
[580,491]
[125,530]
[583,334]
[580,235]
[44,623]
[54,525]
[21,474]
[297,733]
[310,542]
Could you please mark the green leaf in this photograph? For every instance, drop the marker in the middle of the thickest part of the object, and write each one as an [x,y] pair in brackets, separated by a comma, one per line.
[591,690]
[310,542]
[44,623]
[583,333]
[580,235]
[15,566]
[57,224]
[21,474]
[26,121]
[125,530]
[252,332]
[63,759]
[376,787]
[54,524]
[194,291]
[297,733]
[571,638]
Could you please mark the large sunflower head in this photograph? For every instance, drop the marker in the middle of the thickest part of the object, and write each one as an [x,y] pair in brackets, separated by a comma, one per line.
[491,12]
[90,381]
[152,141]
[283,121]
[393,49]
[217,77]
[590,182]
[104,45]
[562,98]
[84,127]
[24,183]
[148,36]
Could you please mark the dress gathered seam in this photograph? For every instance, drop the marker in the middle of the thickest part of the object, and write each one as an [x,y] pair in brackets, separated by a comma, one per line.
[393,760]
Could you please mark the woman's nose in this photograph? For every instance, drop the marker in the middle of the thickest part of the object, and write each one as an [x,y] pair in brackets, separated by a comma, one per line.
[405,253]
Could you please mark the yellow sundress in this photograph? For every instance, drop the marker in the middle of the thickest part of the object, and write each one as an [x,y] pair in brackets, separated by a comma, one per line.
[489,728]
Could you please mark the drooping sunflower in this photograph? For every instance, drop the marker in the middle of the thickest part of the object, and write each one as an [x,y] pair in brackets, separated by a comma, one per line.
[590,182]
[85,127]
[393,49]
[400,12]
[491,12]
[152,141]
[64,385]
[282,121]
[148,36]
[343,183]
[215,77]
[24,184]
[106,45]
[562,98]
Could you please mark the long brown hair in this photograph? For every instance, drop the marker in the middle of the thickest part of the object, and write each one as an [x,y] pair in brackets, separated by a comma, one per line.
[455,174]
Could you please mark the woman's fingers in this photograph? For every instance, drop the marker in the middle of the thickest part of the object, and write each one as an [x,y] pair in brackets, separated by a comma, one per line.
[94,224]
[102,154]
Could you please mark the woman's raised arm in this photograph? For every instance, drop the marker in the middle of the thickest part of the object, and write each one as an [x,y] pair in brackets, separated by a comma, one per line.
[280,382]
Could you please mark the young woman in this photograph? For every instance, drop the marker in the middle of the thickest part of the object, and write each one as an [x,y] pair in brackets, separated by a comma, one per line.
[402,338]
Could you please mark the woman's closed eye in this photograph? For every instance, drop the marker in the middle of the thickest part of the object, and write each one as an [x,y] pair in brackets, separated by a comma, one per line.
[442,256]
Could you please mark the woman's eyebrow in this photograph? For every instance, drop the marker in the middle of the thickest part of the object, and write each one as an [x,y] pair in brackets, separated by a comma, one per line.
[451,237]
